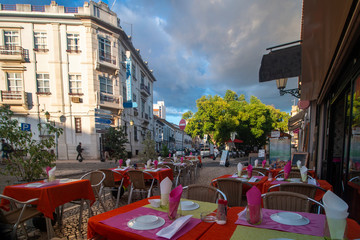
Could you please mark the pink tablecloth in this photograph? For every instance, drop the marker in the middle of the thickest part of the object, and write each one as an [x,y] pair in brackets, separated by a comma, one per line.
[315,227]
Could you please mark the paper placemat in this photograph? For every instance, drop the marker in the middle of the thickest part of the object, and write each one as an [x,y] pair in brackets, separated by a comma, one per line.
[245,233]
[120,222]
[204,207]
[315,227]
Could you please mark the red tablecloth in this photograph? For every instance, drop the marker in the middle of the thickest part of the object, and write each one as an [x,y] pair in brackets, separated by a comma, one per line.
[226,231]
[50,197]
[96,228]
[319,193]
[192,158]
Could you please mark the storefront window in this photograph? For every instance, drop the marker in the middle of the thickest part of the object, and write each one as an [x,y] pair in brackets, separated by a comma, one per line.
[354,153]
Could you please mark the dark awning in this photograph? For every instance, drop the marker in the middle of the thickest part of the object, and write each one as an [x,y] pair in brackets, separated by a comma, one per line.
[296,120]
[282,63]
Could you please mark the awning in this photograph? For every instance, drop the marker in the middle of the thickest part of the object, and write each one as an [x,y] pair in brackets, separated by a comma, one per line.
[236,141]
[282,63]
[296,120]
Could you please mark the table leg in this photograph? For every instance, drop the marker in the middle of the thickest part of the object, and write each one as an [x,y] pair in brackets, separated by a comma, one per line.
[49,228]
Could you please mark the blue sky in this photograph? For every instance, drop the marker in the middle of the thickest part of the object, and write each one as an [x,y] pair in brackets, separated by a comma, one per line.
[200,47]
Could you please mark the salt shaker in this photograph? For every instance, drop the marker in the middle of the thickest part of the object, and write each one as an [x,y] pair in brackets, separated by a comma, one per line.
[221,212]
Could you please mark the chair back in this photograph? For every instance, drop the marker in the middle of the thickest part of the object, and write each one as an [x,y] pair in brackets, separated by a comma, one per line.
[294,173]
[137,179]
[303,188]
[233,189]
[96,179]
[168,160]
[254,173]
[109,180]
[286,201]
[203,193]
[140,165]
[262,170]
[355,179]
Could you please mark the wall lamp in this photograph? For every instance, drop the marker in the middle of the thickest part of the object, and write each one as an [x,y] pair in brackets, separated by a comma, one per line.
[281,84]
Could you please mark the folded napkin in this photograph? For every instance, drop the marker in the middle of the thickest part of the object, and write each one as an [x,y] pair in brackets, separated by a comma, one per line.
[287,170]
[263,163]
[239,169]
[174,200]
[120,163]
[256,162]
[249,171]
[303,172]
[165,188]
[128,162]
[169,155]
[51,173]
[298,164]
[190,153]
[334,206]
[253,197]
[169,231]
[156,163]
[182,159]
[175,158]
[148,163]
[159,159]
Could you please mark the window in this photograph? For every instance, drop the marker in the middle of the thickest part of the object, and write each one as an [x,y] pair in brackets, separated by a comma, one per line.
[104,49]
[106,85]
[11,38]
[14,80]
[124,94]
[135,134]
[78,125]
[96,11]
[149,87]
[75,83]
[142,78]
[43,82]
[123,59]
[40,40]
[133,71]
[73,42]
[134,97]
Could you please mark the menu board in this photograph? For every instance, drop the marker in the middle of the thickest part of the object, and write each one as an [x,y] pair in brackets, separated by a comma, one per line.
[302,156]
[280,149]
[224,156]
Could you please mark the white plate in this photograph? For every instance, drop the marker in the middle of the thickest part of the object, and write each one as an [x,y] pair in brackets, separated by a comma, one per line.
[296,180]
[146,222]
[289,218]
[243,179]
[189,205]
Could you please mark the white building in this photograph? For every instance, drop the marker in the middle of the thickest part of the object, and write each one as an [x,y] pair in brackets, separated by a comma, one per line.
[160,109]
[70,62]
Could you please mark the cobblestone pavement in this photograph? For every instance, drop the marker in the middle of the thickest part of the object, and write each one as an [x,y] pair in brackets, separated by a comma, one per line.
[73,169]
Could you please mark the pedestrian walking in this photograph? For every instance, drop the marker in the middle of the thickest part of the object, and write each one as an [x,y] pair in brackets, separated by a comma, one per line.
[6,150]
[79,149]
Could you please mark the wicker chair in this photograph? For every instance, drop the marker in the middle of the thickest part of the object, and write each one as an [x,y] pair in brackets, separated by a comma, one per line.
[169,160]
[203,193]
[303,188]
[288,201]
[19,213]
[110,184]
[138,182]
[233,189]
[355,179]
[191,170]
[176,173]
[254,173]
[262,170]
[294,173]
[140,165]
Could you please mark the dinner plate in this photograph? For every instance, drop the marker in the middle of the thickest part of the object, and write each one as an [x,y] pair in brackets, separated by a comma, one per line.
[289,218]
[189,205]
[296,180]
[146,222]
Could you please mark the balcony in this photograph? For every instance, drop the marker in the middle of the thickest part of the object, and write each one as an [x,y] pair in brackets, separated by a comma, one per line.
[13,53]
[144,90]
[109,100]
[145,118]
[107,61]
[14,98]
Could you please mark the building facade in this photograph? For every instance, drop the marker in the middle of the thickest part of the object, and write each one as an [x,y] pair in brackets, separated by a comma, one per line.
[69,64]
[160,109]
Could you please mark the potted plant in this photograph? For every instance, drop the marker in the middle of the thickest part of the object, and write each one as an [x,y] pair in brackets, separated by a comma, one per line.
[30,156]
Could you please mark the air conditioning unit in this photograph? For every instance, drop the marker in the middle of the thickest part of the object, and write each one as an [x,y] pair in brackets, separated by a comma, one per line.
[76,99]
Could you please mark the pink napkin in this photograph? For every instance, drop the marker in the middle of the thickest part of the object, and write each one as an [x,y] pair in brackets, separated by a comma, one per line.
[156,163]
[182,159]
[169,155]
[249,171]
[174,200]
[190,153]
[254,204]
[120,163]
[287,170]
[47,170]
[263,163]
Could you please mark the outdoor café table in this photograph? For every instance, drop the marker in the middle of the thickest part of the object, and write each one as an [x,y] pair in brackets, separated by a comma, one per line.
[236,231]
[120,217]
[276,171]
[318,195]
[51,195]
[193,158]
[258,184]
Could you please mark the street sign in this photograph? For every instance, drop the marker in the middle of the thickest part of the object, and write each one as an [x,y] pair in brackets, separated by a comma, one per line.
[103,111]
[103,120]
[99,115]
[182,124]
[101,126]
[25,127]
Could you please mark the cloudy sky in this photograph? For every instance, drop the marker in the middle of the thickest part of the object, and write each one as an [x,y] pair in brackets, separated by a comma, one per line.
[201,47]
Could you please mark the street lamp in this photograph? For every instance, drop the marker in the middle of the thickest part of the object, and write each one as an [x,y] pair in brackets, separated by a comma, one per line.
[131,124]
[281,84]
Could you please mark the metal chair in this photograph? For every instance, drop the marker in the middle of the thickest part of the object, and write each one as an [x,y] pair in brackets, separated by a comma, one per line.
[233,189]
[254,173]
[203,193]
[137,180]
[288,201]
[176,172]
[294,173]
[355,179]
[18,215]
[262,170]
[110,184]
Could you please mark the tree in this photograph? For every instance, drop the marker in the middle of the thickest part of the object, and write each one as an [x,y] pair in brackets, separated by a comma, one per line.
[164,151]
[30,156]
[149,148]
[114,143]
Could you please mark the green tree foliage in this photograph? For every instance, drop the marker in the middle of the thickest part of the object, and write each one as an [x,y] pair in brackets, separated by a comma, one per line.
[114,143]
[30,156]
[187,115]
[252,121]
[164,151]
[149,148]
